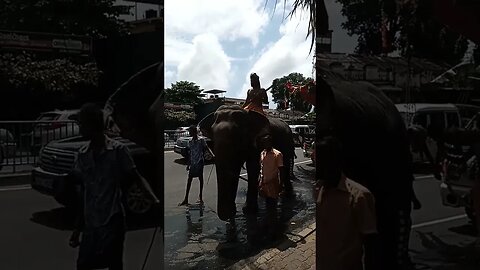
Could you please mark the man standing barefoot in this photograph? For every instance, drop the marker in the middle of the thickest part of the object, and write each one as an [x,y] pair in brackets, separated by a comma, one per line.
[197,147]
[102,168]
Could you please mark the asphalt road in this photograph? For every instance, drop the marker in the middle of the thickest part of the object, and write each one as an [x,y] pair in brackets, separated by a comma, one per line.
[34,229]
[34,234]
[194,236]
[441,236]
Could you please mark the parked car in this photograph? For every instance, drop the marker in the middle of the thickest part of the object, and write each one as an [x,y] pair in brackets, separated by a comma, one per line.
[299,131]
[467,112]
[424,115]
[458,174]
[51,174]
[60,125]
[180,132]
[181,145]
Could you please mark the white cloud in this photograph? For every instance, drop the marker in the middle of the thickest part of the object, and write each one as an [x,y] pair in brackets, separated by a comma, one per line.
[228,20]
[176,49]
[288,54]
[169,75]
[206,64]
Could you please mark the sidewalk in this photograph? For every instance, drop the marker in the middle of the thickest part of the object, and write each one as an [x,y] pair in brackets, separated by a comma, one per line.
[296,252]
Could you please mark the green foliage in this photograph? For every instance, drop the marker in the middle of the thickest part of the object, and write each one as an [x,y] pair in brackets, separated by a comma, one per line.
[429,38]
[178,118]
[279,91]
[183,92]
[55,75]
[410,27]
[96,18]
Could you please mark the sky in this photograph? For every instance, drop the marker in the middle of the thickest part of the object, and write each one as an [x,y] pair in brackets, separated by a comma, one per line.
[218,43]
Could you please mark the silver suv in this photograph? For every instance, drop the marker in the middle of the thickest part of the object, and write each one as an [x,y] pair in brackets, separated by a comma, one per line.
[427,115]
[54,125]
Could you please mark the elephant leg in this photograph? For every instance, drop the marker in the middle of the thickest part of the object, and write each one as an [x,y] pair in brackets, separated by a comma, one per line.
[288,167]
[231,230]
[292,163]
[253,171]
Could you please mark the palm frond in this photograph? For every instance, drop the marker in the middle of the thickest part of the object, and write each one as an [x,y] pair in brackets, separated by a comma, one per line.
[298,6]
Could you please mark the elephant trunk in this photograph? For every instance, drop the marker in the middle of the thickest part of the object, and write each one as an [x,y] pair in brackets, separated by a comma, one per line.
[227,185]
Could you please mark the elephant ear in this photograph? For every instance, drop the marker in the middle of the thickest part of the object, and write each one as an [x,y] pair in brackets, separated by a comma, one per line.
[205,125]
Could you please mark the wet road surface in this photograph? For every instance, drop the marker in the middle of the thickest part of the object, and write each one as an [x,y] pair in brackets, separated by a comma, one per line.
[196,238]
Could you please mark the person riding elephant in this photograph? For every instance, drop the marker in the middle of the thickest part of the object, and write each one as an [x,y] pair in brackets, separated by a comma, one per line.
[377,154]
[236,133]
[256,96]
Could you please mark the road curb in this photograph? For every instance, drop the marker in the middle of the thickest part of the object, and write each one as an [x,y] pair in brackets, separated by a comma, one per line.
[15,179]
[294,239]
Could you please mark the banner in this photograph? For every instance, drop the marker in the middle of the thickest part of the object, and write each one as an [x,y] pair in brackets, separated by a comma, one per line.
[43,42]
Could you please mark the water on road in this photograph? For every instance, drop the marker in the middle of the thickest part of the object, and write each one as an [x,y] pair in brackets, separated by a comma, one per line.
[196,238]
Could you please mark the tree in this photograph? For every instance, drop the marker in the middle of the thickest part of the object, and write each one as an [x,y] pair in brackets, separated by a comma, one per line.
[175,119]
[56,75]
[280,92]
[183,92]
[409,28]
[426,37]
[95,18]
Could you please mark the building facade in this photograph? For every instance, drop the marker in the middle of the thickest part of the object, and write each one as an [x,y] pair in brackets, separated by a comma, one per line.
[400,79]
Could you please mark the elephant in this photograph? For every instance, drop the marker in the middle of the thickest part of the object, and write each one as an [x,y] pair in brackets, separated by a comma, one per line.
[235,133]
[136,109]
[376,153]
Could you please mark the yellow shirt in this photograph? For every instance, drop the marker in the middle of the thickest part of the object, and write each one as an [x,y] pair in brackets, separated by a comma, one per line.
[345,215]
[271,162]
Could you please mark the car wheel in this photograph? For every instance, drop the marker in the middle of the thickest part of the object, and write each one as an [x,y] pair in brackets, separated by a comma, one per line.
[136,200]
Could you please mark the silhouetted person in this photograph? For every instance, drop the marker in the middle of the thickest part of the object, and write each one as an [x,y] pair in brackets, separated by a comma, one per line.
[272,178]
[346,218]
[197,147]
[256,96]
[102,168]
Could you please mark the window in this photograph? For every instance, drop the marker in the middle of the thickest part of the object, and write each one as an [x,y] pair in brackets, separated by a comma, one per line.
[436,124]
[452,120]
[420,119]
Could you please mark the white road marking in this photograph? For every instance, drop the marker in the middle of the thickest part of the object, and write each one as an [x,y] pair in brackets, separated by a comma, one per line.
[18,187]
[424,177]
[438,221]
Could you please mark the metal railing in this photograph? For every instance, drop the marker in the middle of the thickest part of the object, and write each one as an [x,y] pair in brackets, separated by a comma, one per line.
[171,137]
[21,141]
